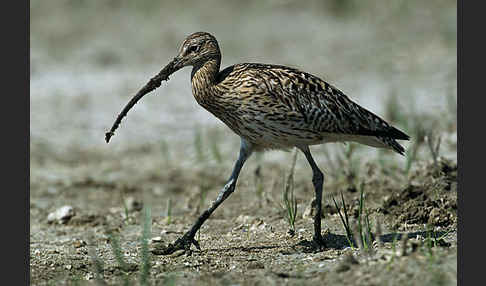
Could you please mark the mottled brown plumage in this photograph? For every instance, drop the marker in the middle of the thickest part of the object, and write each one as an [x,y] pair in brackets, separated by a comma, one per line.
[270,107]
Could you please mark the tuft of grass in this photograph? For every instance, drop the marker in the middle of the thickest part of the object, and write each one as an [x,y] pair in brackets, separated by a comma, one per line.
[429,245]
[431,241]
[117,252]
[364,227]
[378,233]
[145,263]
[289,198]
[203,190]
[363,231]
[145,253]
[345,220]
[410,157]
[98,265]
[394,250]
[125,207]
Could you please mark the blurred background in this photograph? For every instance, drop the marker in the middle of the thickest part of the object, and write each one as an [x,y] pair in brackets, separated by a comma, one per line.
[88,58]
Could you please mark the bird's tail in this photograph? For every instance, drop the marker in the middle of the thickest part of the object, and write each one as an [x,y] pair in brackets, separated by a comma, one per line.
[391,140]
[394,145]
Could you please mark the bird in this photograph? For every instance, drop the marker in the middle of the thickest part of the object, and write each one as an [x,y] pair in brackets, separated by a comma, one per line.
[270,107]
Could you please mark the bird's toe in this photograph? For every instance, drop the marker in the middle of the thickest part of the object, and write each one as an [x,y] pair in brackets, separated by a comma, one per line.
[182,245]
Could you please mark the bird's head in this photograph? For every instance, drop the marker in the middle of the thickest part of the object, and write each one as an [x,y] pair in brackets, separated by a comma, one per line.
[197,49]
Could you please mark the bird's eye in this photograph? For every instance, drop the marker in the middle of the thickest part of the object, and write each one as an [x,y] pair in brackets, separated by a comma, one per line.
[193,49]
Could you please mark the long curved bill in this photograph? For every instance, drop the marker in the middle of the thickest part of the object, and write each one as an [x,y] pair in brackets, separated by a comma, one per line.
[154,83]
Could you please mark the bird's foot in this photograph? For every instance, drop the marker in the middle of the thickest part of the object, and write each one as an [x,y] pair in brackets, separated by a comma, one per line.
[318,242]
[183,243]
[316,245]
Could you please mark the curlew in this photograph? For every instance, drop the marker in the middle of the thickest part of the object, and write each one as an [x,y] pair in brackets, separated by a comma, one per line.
[269,107]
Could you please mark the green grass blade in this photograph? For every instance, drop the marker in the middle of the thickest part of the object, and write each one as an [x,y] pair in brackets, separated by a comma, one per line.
[145,254]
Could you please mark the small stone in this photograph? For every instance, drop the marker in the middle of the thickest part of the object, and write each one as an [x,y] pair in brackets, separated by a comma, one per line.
[156,239]
[61,215]
[68,267]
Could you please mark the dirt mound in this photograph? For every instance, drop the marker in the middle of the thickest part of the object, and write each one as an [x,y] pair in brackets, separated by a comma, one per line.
[432,201]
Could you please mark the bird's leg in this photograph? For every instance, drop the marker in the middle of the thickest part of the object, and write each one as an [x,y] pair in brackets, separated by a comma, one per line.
[187,239]
[318,181]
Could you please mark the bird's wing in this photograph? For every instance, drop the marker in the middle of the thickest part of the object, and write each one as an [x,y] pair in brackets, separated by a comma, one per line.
[324,107]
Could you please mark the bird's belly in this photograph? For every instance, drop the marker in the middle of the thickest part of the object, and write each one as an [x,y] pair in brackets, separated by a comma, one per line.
[264,133]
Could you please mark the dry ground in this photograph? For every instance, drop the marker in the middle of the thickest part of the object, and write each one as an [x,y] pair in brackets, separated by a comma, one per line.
[87,59]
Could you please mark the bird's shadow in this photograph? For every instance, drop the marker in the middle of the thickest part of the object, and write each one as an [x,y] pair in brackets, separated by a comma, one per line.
[338,241]
[331,241]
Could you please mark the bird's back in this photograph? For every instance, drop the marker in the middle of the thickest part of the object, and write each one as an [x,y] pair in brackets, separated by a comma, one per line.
[279,107]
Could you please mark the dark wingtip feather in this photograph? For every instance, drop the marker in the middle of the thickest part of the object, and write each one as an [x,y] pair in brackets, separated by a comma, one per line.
[397,134]
[397,147]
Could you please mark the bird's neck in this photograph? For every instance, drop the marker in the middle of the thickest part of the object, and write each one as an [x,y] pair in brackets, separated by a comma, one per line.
[203,78]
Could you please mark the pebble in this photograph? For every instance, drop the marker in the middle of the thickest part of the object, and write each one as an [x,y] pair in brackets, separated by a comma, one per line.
[62,215]
[157,239]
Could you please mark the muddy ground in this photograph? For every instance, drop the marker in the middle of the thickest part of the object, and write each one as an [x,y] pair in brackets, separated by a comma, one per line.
[169,158]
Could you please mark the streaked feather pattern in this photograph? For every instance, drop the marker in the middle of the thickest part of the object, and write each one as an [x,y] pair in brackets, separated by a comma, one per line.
[274,106]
